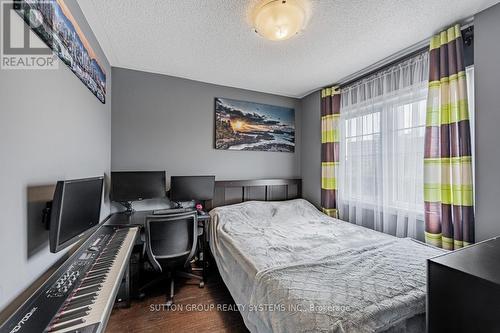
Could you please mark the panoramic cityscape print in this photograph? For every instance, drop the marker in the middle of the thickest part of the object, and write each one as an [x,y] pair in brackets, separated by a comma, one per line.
[55,25]
[241,125]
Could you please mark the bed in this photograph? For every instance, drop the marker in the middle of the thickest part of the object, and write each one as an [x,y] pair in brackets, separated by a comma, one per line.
[290,268]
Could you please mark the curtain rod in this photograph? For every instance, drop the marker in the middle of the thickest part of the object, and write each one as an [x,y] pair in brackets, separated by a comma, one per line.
[385,63]
[393,59]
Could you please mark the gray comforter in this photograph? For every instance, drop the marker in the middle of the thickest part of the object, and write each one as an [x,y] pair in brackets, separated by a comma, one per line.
[291,268]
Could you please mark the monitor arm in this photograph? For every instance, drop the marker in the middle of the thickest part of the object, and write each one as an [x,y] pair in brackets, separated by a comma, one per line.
[128,205]
[46,214]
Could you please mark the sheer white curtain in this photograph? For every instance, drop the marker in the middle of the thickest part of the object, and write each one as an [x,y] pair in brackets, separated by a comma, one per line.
[469,73]
[382,147]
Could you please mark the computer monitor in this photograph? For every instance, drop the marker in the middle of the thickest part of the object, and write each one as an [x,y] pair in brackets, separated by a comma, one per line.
[76,209]
[199,188]
[137,185]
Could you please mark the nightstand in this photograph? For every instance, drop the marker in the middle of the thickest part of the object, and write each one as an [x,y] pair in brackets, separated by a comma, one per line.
[463,289]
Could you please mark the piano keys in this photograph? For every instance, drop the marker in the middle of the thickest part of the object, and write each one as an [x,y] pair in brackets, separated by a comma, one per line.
[80,295]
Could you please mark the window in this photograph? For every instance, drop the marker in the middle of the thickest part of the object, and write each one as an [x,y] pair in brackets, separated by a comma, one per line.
[408,134]
[362,132]
[403,144]
[382,124]
[382,148]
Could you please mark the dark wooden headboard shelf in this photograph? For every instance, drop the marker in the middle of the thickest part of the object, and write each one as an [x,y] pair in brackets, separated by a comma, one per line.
[229,192]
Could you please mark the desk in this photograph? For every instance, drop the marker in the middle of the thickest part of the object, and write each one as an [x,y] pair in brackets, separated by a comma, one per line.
[138,218]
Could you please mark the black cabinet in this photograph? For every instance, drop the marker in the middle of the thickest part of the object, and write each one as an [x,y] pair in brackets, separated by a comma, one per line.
[463,289]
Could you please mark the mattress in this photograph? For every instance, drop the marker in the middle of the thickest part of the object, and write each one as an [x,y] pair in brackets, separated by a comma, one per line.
[290,268]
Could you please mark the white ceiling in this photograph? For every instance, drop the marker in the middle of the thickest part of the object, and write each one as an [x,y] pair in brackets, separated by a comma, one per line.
[212,40]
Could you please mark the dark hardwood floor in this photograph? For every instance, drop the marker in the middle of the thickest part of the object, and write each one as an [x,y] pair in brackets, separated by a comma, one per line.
[196,310]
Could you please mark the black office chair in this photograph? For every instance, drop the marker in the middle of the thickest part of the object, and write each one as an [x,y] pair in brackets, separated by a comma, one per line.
[171,241]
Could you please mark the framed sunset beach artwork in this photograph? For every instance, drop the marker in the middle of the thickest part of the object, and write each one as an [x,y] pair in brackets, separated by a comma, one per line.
[241,125]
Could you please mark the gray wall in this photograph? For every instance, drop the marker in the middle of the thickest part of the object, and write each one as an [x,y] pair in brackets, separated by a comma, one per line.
[311,148]
[51,127]
[167,123]
[487,83]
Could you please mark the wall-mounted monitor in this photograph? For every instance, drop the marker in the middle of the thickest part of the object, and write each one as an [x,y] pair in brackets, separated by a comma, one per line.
[76,210]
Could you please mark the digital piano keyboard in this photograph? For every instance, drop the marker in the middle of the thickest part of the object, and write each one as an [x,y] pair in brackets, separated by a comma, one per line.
[80,295]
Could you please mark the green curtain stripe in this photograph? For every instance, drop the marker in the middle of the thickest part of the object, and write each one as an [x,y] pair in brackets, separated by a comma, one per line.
[328,183]
[448,160]
[447,246]
[433,236]
[447,240]
[447,114]
[326,92]
[330,136]
[331,212]
[329,92]
[434,84]
[454,188]
[331,117]
[433,241]
[435,42]
[459,111]
[451,244]
[445,37]
[457,76]
[448,79]
[458,195]
[329,164]
[453,32]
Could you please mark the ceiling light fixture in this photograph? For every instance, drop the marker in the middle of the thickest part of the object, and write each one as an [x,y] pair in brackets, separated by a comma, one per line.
[280,19]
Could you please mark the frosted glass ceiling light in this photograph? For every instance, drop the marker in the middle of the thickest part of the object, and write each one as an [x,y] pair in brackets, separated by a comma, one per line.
[280,19]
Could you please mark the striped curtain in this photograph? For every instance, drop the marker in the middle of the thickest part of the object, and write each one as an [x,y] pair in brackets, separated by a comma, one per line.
[448,195]
[330,119]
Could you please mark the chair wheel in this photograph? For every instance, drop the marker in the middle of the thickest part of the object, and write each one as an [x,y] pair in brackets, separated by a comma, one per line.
[202,284]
